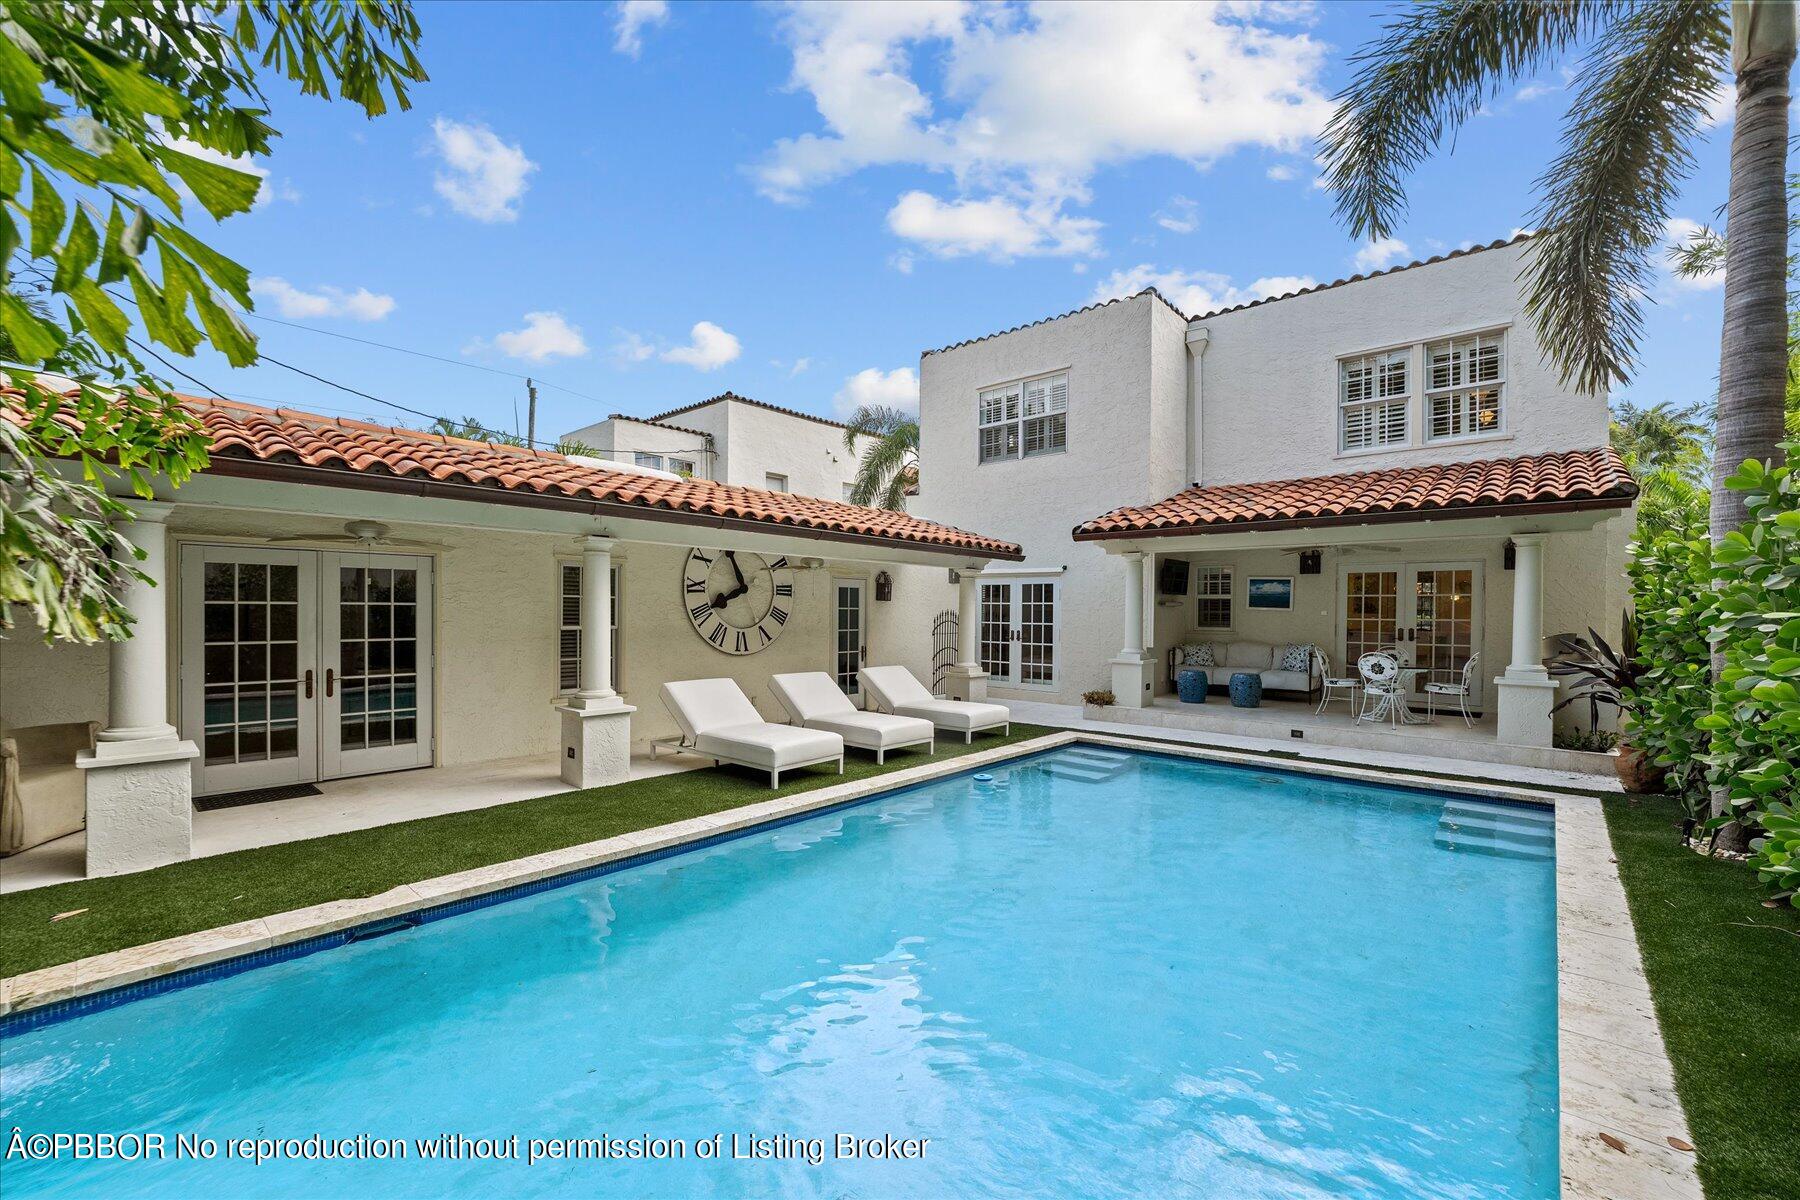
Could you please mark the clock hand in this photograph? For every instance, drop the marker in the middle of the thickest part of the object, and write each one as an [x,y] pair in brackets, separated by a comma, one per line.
[724,598]
[731,557]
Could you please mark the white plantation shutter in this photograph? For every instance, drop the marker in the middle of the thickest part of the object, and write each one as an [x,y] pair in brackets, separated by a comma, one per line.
[1465,384]
[568,627]
[1374,394]
[1024,419]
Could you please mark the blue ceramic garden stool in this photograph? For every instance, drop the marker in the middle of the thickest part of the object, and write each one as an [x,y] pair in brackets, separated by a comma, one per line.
[1191,684]
[1246,690]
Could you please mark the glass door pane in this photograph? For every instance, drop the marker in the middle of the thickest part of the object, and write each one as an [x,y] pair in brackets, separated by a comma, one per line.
[1371,612]
[248,632]
[1037,633]
[996,631]
[377,646]
[848,644]
[1445,620]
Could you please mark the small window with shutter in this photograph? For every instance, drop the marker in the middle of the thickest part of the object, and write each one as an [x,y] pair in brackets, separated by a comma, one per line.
[1374,394]
[1024,419]
[1464,381]
[568,627]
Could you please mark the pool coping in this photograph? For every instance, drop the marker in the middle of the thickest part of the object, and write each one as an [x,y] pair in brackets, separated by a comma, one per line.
[1615,1080]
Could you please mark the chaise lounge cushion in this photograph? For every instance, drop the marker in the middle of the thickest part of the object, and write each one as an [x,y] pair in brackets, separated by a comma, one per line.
[813,700]
[894,688]
[771,747]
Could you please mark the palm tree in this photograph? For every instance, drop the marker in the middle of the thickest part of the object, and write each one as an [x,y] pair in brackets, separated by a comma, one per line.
[889,464]
[1663,438]
[471,429]
[1648,79]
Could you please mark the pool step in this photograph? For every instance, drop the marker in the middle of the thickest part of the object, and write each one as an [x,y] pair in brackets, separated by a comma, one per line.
[1087,765]
[1499,830]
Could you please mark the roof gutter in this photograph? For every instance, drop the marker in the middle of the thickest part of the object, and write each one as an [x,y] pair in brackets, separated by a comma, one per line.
[1462,513]
[408,485]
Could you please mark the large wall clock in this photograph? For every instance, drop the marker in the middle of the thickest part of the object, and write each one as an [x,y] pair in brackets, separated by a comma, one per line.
[738,602]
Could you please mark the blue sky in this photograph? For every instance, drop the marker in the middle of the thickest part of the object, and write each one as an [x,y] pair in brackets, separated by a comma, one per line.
[792,204]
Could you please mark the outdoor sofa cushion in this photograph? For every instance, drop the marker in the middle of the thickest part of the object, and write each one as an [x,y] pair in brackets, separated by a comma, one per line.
[814,700]
[895,690]
[42,793]
[1249,656]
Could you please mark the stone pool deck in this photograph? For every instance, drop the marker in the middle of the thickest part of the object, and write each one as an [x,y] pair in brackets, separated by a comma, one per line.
[1619,1107]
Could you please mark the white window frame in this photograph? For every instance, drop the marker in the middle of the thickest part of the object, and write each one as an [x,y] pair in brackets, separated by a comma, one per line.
[643,458]
[569,665]
[1229,571]
[1373,394]
[774,481]
[681,466]
[1013,413]
[1457,387]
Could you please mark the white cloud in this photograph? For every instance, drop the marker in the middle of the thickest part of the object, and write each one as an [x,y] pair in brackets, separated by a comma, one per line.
[631,18]
[1382,253]
[1721,107]
[898,388]
[1182,216]
[631,348]
[999,228]
[1676,234]
[902,261]
[1281,173]
[486,177]
[1196,292]
[1535,91]
[323,301]
[546,335]
[708,349]
[1021,106]
[799,365]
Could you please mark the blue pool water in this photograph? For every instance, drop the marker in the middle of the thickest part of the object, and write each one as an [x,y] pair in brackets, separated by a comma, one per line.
[1095,974]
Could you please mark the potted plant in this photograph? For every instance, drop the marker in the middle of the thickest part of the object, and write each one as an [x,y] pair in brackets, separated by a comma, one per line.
[1607,677]
[1095,702]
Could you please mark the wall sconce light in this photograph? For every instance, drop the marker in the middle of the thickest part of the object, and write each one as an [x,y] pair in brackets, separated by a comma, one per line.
[1311,562]
[1510,558]
[884,587]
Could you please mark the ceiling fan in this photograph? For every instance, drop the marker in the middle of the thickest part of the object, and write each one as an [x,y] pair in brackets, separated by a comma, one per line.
[369,535]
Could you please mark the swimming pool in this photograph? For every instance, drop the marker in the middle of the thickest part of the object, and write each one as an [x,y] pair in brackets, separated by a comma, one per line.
[1093,973]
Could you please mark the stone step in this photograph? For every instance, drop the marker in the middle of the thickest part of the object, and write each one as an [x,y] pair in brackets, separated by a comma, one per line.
[1463,812]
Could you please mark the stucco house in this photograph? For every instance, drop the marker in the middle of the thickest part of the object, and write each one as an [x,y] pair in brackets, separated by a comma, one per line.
[1386,460]
[333,598]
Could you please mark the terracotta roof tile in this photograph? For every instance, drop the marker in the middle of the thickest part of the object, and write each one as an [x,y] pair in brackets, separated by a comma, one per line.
[661,417]
[241,432]
[1572,479]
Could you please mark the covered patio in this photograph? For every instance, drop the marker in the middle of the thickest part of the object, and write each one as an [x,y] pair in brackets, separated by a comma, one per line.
[1437,566]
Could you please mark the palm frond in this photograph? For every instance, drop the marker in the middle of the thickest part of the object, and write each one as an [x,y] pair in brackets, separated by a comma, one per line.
[887,463]
[1427,73]
[876,421]
[1608,196]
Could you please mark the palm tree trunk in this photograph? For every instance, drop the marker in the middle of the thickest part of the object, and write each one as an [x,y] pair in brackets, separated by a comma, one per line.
[1753,343]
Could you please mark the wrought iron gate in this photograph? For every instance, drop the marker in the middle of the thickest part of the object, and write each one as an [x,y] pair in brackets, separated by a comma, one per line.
[943,648]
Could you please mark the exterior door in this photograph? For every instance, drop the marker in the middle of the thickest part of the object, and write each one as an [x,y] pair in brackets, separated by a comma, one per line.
[850,636]
[299,665]
[1429,613]
[1017,638]
[1371,611]
[375,709]
[249,654]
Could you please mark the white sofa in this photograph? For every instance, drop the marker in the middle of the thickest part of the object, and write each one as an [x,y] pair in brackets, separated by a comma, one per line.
[1263,659]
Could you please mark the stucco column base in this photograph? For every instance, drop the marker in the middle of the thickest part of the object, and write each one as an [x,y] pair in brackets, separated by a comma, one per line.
[966,683]
[596,744]
[1523,701]
[140,804]
[1131,680]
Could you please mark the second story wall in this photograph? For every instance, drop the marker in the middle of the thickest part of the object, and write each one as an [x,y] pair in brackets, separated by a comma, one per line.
[1273,386]
[622,439]
[757,442]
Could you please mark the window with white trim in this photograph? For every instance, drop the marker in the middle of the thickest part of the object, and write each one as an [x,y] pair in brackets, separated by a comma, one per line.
[653,461]
[1464,381]
[1212,597]
[568,627]
[1374,394]
[682,466]
[774,482]
[1022,420]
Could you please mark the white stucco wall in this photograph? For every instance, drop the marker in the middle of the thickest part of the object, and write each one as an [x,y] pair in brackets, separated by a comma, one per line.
[621,438]
[1270,383]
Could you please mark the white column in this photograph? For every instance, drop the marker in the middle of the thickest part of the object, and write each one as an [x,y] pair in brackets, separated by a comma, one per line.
[1130,670]
[965,680]
[138,780]
[596,722]
[1526,693]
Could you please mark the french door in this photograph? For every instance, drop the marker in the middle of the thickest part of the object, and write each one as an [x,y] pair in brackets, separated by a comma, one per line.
[1017,637]
[1428,613]
[850,636]
[299,665]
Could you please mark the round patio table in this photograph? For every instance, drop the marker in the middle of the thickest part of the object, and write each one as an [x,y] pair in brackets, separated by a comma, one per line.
[1398,698]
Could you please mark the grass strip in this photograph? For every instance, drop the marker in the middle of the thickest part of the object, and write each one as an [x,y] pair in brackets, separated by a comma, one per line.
[204,893]
[1725,974]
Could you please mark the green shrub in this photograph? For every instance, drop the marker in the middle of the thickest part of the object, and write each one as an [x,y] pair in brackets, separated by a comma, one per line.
[1671,587]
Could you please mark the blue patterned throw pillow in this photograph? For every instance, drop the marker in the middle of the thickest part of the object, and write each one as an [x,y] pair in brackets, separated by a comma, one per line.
[1297,658]
[1199,654]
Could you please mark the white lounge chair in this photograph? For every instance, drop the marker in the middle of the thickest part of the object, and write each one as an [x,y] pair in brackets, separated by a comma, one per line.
[816,702]
[720,723]
[894,690]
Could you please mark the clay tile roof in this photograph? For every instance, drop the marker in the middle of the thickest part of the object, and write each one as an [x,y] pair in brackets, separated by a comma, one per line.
[1569,480]
[361,454]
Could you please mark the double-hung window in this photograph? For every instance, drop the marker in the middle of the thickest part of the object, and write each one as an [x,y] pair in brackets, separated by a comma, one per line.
[1021,420]
[653,461]
[1212,591]
[682,466]
[568,627]
[1374,394]
[1464,381]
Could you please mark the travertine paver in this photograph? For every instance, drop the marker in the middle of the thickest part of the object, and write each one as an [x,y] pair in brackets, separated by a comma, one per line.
[1615,1074]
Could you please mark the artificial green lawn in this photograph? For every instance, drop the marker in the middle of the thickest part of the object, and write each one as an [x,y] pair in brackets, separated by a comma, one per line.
[204,893]
[1725,975]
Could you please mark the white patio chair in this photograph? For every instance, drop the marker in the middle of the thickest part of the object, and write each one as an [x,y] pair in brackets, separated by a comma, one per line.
[815,701]
[1380,687]
[720,723]
[1459,691]
[893,689]
[1335,686]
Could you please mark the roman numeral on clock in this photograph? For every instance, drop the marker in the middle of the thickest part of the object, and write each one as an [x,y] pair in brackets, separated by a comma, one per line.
[699,611]
[784,589]
[696,585]
[717,636]
[779,615]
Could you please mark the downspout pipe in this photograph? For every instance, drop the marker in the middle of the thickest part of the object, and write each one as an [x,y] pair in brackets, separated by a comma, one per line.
[1197,340]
